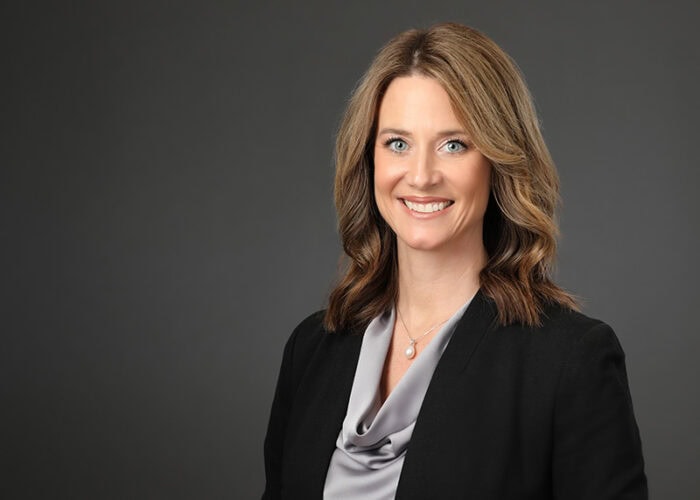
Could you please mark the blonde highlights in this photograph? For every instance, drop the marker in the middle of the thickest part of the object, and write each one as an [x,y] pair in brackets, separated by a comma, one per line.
[491,99]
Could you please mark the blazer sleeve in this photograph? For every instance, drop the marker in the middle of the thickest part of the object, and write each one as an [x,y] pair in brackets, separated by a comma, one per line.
[597,451]
[277,425]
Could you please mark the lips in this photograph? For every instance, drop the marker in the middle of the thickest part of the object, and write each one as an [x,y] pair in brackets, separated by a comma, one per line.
[427,207]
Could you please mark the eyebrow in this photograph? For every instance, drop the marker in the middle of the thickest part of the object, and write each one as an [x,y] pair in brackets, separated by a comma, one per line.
[398,131]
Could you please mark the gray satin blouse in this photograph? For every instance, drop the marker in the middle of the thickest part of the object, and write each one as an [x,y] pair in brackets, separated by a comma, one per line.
[372,443]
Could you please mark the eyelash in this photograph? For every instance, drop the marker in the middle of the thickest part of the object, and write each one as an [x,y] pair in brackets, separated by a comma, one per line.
[461,143]
[390,140]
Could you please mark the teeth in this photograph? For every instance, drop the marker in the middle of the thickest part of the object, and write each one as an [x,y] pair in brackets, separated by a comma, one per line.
[427,208]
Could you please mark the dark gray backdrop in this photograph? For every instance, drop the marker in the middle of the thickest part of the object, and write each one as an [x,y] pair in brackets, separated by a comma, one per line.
[167,219]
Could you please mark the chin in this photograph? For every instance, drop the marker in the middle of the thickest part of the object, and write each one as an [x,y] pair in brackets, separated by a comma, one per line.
[422,243]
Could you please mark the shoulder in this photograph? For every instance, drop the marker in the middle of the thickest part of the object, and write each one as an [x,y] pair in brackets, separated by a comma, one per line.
[314,353]
[567,321]
[311,324]
[574,327]
[305,337]
[581,339]
[562,335]
[310,329]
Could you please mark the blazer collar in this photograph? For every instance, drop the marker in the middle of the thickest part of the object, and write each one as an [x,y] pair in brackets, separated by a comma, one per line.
[477,320]
[326,405]
[323,397]
[470,330]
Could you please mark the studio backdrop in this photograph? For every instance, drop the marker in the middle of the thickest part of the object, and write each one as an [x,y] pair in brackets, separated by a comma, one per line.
[166,219]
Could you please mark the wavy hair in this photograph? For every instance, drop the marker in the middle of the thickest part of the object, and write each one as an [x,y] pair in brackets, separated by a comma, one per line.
[490,98]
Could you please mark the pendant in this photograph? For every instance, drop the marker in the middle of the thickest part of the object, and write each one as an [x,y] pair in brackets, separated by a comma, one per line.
[410,351]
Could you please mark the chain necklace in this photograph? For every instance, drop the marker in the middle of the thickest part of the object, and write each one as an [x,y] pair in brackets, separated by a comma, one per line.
[410,351]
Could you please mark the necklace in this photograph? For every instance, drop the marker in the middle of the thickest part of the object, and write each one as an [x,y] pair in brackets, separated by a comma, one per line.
[410,351]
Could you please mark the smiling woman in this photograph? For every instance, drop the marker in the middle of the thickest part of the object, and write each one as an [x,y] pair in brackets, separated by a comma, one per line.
[448,363]
[491,109]
[431,185]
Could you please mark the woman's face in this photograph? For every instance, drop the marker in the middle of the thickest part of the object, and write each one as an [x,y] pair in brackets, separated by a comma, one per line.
[431,185]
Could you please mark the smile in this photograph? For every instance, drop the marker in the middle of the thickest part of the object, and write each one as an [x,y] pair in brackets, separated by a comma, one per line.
[427,208]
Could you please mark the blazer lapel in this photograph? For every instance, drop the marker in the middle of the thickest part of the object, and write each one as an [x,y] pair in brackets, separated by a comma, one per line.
[414,481]
[319,412]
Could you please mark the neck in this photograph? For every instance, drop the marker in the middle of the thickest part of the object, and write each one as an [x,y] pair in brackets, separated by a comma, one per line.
[433,285]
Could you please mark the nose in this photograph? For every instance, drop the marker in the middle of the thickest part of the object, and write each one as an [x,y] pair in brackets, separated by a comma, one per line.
[423,172]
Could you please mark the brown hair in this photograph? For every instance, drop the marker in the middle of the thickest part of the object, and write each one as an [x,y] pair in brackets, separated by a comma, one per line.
[490,97]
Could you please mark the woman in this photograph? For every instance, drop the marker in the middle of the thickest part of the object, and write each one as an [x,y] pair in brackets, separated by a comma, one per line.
[448,364]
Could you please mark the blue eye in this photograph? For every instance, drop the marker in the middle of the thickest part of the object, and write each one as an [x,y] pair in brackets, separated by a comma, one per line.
[455,146]
[397,145]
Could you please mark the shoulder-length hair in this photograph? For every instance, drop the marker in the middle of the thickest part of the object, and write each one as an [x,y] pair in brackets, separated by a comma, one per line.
[490,98]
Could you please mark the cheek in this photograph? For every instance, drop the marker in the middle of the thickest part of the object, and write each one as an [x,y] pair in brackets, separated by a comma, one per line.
[382,195]
[379,182]
[383,182]
[482,185]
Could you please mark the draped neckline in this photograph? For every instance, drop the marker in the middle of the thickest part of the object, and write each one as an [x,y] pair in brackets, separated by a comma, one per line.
[376,433]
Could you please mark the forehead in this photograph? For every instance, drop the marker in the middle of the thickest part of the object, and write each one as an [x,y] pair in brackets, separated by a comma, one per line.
[417,101]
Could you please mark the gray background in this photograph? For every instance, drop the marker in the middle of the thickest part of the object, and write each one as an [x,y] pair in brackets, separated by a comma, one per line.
[166,220]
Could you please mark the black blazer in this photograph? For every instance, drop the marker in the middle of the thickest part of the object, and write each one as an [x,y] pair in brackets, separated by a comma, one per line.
[511,413]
